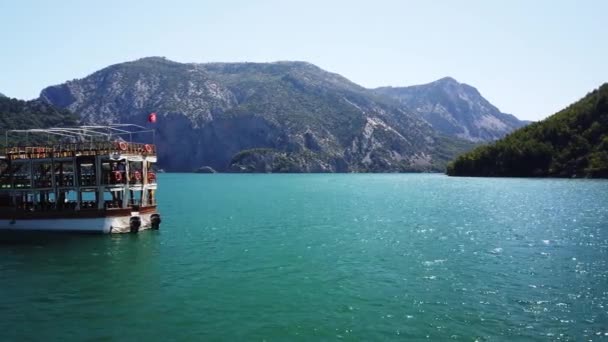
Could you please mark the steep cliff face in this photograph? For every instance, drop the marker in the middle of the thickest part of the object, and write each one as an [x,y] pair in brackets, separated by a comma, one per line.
[455,109]
[282,117]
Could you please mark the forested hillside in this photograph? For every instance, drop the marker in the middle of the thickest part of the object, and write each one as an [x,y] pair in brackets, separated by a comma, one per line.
[18,114]
[571,143]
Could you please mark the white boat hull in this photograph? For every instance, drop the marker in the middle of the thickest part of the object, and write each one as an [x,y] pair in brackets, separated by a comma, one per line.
[104,225]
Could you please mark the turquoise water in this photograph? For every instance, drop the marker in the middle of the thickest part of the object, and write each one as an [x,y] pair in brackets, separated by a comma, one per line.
[326,257]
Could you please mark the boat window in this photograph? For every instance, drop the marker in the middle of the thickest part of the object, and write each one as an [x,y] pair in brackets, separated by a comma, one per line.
[113,172]
[88,199]
[5,174]
[113,199]
[42,174]
[151,197]
[64,173]
[151,167]
[5,199]
[66,200]
[135,172]
[21,174]
[86,171]
[135,198]
[44,200]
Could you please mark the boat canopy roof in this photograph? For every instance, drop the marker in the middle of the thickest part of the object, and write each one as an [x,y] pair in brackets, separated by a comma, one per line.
[88,133]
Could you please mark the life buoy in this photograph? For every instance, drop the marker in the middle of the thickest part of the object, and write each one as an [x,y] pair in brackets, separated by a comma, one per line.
[148,148]
[151,176]
[117,176]
[137,175]
[122,145]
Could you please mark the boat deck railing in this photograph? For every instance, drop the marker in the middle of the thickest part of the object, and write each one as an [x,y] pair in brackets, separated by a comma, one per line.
[67,181]
[78,149]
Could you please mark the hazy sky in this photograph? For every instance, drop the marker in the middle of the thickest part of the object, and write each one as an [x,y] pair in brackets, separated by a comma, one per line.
[529,58]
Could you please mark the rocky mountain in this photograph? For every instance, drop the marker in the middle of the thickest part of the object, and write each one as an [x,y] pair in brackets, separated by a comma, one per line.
[258,117]
[455,109]
[18,114]
[571,143]
[2,95]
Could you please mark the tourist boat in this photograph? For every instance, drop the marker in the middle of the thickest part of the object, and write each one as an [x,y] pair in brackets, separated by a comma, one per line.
[83,179]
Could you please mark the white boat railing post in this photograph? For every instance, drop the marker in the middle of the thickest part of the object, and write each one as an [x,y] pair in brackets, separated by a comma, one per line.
[31,172]
[76,183]
[98,183]
[144,184]
[126,192]
[54,181]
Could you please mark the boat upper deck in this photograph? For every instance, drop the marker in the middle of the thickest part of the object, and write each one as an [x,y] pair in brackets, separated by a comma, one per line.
[79,149]
[70,142]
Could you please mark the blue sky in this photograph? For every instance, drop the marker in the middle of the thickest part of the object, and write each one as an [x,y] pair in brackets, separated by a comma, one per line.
[529,58]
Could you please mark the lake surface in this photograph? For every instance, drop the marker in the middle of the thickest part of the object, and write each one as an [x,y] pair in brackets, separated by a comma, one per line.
[326,257]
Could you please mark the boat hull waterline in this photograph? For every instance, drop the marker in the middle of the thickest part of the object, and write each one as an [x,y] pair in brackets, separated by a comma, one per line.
[102,225]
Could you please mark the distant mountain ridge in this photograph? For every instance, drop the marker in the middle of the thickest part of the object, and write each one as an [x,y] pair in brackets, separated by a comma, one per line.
[455,109]
[259,117]
[570,143]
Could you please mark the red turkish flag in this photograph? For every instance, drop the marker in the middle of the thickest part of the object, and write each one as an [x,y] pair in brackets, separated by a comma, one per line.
[152,118]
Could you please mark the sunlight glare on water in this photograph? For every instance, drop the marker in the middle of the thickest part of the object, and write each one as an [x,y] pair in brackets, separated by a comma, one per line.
[309,257]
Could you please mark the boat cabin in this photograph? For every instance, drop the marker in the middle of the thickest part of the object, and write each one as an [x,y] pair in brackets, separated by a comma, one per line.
[87,169]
